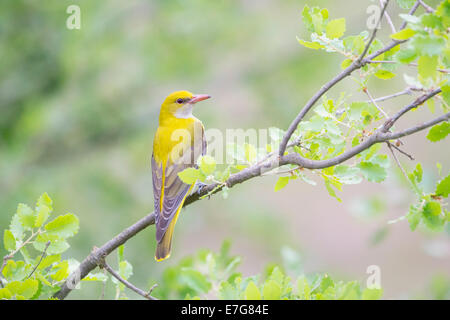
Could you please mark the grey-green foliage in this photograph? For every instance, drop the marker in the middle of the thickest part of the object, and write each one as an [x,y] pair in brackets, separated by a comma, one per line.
[35,241]
[210,275]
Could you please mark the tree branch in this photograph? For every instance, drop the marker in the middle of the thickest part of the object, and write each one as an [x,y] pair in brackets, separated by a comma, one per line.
[129,285]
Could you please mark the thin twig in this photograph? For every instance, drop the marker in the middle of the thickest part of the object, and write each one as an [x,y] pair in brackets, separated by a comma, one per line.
[397,161]
[427,7]
[388,124]
[411,64]
[126,283]
[388,19]
[374,103]
[411,12]
[44,253]
[374,33]
[394,95]
[12,254]
[400,150]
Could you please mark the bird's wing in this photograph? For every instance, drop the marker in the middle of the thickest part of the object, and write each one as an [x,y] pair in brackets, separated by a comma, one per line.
[175,190]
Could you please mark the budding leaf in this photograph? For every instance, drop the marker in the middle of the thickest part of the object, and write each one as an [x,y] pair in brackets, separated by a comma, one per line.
[252,292]
[281,183]
[403,34]
[384,74]
[443,187]
[207,165]
[310,45]
[191,175]
[9,241]
[335,28]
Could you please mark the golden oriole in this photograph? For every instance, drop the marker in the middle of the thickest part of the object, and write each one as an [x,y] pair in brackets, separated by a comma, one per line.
[178,142]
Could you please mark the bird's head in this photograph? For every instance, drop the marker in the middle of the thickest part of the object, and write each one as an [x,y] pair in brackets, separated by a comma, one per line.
[180,103]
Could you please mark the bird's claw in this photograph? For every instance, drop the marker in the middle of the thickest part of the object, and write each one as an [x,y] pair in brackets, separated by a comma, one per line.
[200,186]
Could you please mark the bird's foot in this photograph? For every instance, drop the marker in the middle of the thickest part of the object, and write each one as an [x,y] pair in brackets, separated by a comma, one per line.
[200,188]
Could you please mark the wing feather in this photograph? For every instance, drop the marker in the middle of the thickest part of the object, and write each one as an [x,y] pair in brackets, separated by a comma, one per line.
[175,190]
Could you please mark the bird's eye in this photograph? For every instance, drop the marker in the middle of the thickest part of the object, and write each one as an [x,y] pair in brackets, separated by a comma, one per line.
[180,101]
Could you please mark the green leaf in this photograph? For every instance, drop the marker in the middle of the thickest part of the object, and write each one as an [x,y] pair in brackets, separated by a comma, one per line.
[373,172]
[431,21]
[443,187]
[64,226]
[335,28]
[15,271]
[9,241]
[96,276]
[429,45]
[281,183]
[347,175]
[409,18]
[372,294]
[227,291]
[439,132]
[446,93]
[431,214]
[346,63]
[403,34]
[406,4]
[62,271]
[207,165]
[432,208]
[48,261]
[330,190]
[427,66]
[304,289]
[310,45]
[26,215]
[57,244]
[43,209]
[26,289]
[384,74]
[16,227]
[406,55]
[5,294]
[381,159]
[418,172]
[252,292]
[190,175]
[359,109]
[195,280]
[414,217]
[271,290]
[125,269]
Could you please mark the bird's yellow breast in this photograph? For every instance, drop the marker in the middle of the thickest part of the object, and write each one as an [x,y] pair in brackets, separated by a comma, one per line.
[173,136]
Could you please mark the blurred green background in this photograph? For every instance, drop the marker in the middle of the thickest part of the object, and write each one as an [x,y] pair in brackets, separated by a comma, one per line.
[78,109]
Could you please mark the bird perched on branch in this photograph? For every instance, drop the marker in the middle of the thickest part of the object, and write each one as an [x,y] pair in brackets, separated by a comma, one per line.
[179,141]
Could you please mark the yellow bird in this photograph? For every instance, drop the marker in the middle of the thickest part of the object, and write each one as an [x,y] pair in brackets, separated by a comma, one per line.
[179,141]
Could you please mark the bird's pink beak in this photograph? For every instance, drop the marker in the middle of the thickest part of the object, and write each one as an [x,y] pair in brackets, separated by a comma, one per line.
[199,97]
